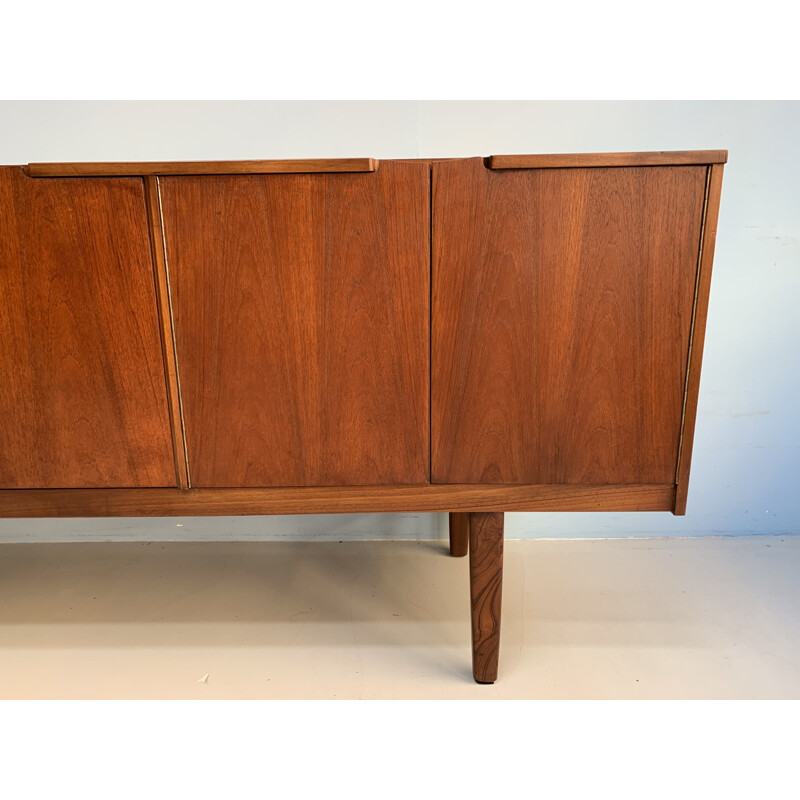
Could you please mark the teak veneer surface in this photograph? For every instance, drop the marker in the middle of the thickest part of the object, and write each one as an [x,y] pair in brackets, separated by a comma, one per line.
[562,320]
[82,396]
[301,306]
[562,308]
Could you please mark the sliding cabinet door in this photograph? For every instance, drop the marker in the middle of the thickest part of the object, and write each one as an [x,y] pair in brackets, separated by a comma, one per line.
[301,306]
[562,311]
[82,388]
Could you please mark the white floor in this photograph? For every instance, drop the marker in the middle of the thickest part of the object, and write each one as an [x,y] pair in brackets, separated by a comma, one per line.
[654,618]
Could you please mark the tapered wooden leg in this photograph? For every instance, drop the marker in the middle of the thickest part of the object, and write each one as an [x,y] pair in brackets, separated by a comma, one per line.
[459,533]
[486,586]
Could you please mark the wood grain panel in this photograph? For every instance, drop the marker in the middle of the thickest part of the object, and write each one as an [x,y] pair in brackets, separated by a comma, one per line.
[567,160]
[82,399]
[142,168]
[331,499]
[301,307]
[698,336]
[562,304]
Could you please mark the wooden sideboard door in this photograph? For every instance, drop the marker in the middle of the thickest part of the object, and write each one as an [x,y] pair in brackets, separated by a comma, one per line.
[562,311]
[83,396]
[301,307]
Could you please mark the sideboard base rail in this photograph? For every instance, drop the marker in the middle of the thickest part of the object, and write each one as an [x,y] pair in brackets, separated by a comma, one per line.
[334,499]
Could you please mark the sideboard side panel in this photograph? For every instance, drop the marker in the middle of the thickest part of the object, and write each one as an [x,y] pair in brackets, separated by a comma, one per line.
[713,194]
[82,400]
[301,307]
[562,306]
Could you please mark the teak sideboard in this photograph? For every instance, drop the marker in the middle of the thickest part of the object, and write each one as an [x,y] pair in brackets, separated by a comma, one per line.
[473,336]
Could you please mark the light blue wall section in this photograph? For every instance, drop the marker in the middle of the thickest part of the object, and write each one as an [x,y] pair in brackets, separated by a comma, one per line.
[746,466]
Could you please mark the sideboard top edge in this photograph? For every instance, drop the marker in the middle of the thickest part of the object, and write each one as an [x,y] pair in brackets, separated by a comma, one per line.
[644,159]
[166,168]
[322,165]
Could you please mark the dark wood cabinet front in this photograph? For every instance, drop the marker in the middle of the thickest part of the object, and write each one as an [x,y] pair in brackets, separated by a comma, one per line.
[82,394]
[518,332]
[562,312]
[301,308]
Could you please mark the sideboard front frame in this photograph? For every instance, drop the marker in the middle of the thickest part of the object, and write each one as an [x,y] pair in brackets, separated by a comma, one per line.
[185,500]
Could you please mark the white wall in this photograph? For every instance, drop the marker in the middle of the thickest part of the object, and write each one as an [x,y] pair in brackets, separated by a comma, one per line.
[746,465]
